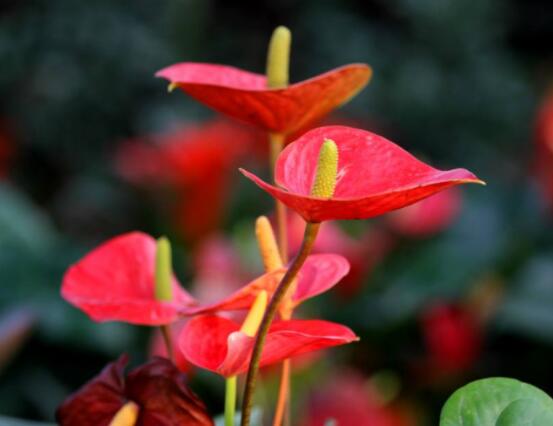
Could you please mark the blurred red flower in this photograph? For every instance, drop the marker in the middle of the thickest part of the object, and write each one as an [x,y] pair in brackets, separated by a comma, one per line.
[348,400]
[115,282]
[157,389]
[218,345]
[544,148]
[375,176]
[427,217]
[244,95]
[453,338]
[196,163]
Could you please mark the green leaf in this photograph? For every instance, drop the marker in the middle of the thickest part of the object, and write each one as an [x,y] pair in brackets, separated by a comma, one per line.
[498,402]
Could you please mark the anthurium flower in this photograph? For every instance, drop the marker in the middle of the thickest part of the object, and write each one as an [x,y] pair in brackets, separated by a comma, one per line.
[115,282]
[153,394]
[245,95]
[427,217]
[319,273]
[218,344]
[195,164]
[374,176]
[453,338]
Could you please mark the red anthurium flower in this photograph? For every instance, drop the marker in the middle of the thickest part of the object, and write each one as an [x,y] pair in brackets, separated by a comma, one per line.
[244,95]
[115,282]
[544,149]
[453,338]
[319,273]
[196,162]
[156,390]
[427,217]
[218,345]
[348,400]
[375,176]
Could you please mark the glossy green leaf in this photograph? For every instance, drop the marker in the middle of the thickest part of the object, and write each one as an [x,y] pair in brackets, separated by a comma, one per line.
[498,402]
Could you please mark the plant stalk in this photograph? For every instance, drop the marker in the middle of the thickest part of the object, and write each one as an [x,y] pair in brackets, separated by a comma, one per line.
[310,235]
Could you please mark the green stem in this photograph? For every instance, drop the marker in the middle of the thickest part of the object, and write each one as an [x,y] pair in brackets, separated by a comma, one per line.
[309,237]
[230,400]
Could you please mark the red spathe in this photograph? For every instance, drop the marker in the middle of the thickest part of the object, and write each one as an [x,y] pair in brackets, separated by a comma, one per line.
[375,176]
[218,345]
[115,282]
[244,95]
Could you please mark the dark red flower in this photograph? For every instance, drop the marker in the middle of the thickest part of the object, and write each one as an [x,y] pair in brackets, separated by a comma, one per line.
[196,163]
[115,282]
[427,217]
[375,176]
[319,273]
[544,149]
[348,400]
[453,338]
[157,388]
[218,345]
[244,95]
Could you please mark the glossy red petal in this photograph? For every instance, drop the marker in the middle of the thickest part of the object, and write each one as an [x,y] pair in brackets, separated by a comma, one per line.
[216,343]
[244,96]
[115,282]
[375,176]
[160,390]
[319,273]
[97,401]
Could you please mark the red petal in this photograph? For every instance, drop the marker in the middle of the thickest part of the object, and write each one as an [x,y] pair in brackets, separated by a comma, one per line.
[97,401]
[216,344]
[115,282]
[243,95]
[375,176]
[159,388]
[319,273]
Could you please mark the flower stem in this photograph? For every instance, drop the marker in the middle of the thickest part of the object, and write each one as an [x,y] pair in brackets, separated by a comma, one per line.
[230,400]
[166,333]
[310,235]
[283,392]
[276,144]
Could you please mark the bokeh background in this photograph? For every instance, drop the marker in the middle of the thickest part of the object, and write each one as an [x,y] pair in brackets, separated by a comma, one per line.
[457,82]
